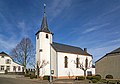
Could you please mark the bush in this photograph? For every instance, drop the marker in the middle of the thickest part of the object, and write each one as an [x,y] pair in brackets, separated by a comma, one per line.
[47,77]
[94,80]
[27,75]
[80,78]
[98,76]
[109,77]
[89,77]
[33,76]
[103,80]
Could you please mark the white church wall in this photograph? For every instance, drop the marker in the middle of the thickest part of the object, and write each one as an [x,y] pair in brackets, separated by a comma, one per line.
[43,52]
[53,62]
[71,70]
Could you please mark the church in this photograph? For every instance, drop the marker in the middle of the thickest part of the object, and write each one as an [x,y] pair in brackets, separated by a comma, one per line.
[60,60]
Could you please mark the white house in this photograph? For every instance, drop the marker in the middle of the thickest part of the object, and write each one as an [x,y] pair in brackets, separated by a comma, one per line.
[7,64]
[63,60]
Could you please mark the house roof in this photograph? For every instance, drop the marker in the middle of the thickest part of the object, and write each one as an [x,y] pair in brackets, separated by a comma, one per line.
[69,49]
[110,54]
[115,51]
[4,54]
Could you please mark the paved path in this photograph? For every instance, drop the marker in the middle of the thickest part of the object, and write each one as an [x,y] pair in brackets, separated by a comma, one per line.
[20,81]
[4,80]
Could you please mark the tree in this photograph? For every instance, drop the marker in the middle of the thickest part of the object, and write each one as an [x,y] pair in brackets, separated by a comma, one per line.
[84,66]
[40,65]
[23,52]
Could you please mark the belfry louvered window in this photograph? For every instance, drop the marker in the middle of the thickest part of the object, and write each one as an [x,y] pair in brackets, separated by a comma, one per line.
[47,36]
[66,62]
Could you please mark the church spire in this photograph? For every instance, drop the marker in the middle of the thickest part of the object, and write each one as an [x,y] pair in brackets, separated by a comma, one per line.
[44,25]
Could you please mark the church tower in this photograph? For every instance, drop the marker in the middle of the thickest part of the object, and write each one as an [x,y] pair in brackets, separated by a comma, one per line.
[43,45]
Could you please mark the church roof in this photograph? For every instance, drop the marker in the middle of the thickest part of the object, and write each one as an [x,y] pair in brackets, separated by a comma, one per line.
[44,25]
[112,53]
[68,49]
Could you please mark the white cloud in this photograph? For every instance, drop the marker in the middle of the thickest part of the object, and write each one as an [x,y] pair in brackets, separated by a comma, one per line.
[94,28]
[23,28]
[58,6]
[7,43]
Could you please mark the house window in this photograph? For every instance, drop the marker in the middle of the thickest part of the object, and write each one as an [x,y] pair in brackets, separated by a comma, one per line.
[19,68]
[77,62]
[14,68]
[37,36]
[66,62]
[89,73]
[8,68]
[2,57]
[8,61]
[47,36]
[2,68]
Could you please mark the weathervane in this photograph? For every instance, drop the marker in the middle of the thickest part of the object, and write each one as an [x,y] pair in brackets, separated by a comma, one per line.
[44,8]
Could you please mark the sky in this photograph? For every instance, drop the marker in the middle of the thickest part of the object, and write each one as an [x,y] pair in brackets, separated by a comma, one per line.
[91,24]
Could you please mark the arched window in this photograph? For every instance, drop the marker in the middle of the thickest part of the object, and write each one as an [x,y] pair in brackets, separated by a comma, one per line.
[66,62]
[77,62]
[47,36]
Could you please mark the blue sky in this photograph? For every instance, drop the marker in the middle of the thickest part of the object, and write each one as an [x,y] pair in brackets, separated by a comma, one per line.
[92,24]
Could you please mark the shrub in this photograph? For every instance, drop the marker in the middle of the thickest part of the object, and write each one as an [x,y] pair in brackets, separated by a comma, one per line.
[96,77]
[27,75]
[94,80]
[89,77]
[33,76]
[103,80]
[47,77]
[80,78]
[109,77]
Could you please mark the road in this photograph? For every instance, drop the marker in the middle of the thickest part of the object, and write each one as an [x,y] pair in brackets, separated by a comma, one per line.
[19,81]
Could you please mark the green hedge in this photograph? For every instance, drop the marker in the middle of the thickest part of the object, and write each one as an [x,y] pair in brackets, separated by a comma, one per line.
[109,77]
[33,76]
[47,77]
[80,78]
[94,80]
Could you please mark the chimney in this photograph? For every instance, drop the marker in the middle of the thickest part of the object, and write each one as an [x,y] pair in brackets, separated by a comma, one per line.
[85,49]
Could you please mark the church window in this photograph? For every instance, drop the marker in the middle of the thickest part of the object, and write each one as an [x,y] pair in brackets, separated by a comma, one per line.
[77,62]
[46,35]
[89,73]
[66,62]
[37,36]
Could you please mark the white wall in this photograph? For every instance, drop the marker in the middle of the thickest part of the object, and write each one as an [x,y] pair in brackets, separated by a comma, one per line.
[43,44]
[12,63]
[71,70]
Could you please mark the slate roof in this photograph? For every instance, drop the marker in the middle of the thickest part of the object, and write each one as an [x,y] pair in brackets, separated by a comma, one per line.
[69,49]
[110,54]
[115,51]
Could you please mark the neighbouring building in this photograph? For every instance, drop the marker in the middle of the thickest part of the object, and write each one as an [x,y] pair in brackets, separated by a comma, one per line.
[109,64]
[7,65]
[62,60]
